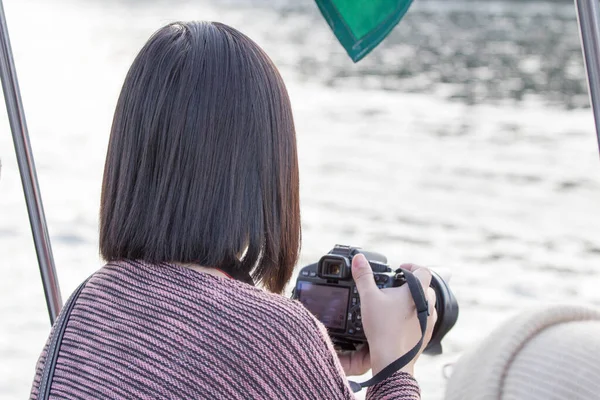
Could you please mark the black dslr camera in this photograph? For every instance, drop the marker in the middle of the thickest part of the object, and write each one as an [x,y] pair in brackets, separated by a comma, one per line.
[328,291]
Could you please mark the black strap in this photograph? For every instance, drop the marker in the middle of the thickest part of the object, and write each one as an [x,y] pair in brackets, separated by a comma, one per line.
[54,346]
[416,290]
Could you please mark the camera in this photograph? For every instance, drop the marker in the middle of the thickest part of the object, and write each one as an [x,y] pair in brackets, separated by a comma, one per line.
[328,291]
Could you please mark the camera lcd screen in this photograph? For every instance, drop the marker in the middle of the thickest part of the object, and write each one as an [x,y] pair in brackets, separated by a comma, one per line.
[328,303]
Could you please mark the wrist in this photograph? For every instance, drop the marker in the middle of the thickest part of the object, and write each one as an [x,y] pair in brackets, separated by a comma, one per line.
[383,358]
[409,369]
[380,360]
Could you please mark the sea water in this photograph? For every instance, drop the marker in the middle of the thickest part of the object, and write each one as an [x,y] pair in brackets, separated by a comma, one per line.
[464,142]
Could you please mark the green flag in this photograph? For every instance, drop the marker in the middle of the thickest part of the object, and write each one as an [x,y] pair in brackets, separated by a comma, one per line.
[360,25]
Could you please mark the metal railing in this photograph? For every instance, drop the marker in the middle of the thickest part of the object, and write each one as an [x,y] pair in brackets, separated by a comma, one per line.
[588,15]
[18,125]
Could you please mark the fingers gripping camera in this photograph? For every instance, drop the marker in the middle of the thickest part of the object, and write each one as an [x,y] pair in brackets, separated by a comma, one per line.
[328,291]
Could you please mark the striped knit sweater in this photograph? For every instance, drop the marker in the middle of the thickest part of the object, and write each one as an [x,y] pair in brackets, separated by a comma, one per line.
[165,331]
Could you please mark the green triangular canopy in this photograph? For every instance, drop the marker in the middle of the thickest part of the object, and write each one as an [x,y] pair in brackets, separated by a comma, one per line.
[360,25]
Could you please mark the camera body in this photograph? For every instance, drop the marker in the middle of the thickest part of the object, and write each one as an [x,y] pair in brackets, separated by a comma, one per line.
[327,290]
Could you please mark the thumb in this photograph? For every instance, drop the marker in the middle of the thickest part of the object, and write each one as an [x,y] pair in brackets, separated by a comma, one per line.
[363,275]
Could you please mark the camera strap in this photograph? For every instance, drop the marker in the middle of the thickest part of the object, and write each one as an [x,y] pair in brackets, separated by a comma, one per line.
[422,306]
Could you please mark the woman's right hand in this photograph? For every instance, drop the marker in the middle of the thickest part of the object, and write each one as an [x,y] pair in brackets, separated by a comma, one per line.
[389,316]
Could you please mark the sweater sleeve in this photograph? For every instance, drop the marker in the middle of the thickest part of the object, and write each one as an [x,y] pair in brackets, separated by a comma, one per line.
[399,386]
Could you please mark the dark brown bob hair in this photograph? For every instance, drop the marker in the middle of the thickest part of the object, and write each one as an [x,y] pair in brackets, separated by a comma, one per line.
[202,165]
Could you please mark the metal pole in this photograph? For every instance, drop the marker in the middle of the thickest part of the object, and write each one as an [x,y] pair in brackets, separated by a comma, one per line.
[18,125]
[588,14]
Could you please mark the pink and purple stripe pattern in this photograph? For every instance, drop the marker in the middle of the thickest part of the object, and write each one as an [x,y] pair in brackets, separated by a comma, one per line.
[141,331]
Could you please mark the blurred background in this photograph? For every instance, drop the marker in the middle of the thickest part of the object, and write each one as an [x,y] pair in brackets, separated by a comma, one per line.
[464,142]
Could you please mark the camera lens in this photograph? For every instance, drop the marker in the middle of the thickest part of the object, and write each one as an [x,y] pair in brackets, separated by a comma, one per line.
[447,310]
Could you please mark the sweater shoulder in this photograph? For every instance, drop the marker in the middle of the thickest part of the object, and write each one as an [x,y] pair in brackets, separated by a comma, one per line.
[280,311]
[190,288]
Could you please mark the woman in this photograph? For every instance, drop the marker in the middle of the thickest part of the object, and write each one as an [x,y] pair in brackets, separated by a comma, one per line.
[200,201]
